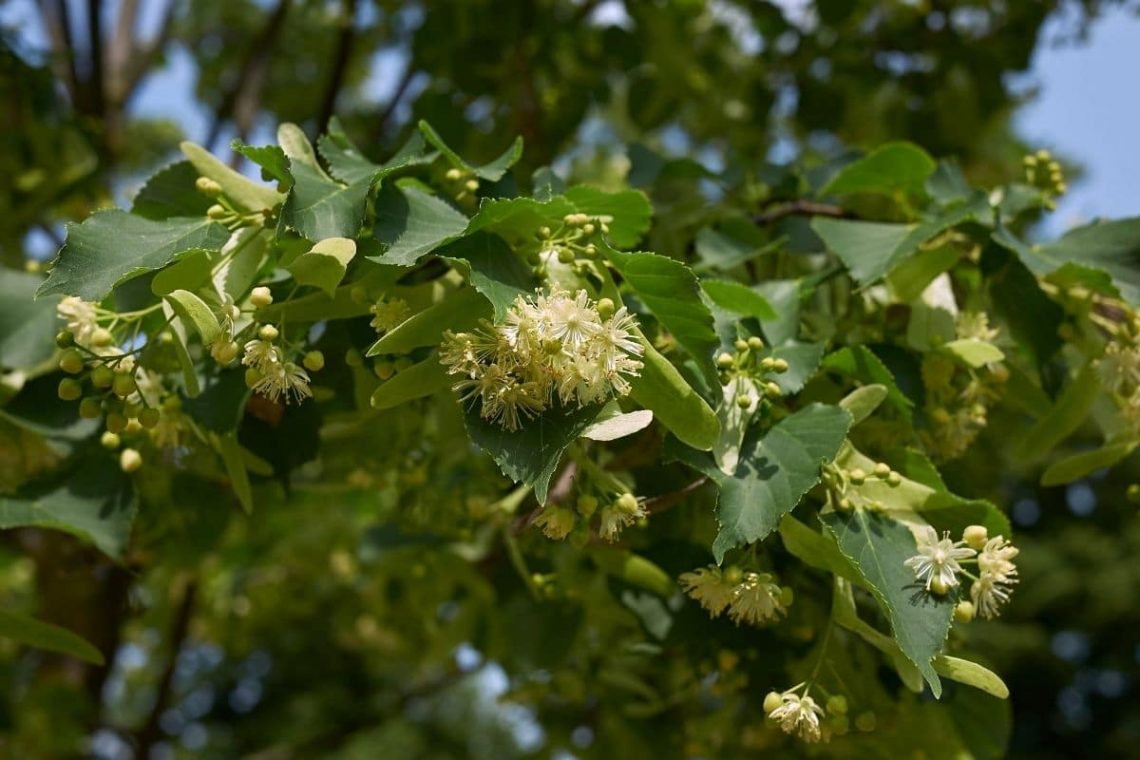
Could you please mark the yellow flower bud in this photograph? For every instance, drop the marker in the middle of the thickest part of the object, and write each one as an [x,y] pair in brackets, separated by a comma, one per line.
[975,536]
[260,297]
[130,460]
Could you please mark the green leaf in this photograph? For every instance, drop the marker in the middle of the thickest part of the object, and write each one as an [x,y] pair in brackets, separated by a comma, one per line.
[519,218]
[662,389]
[612,424]
[861,364]
[271,158]
[546,184]
[325,265]
[171,192]
[627,213]
[1077,466]
[193,311]
[773,475]
[1070,411]
[971,674]
[1112,247]
[461,310]
[188,273]
[670,290]
[238,188]
[492,172]
[910,278]
[734,420]
[27,326]
[189,370]
[412,224]
[879,547]
[898,167]
[803,360]
[299,150]
[110,247]
[53,638]
[234,461]
[93,503]
[221,404]
[974,352]
[634,570]
[419,380]
[736,241]
[816,549]
[348,164]
[784,296]
[862,402]
[319,208]
[530,454]
[495,270]
[739,299]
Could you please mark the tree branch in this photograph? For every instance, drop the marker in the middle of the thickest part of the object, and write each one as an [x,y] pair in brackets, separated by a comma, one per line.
[341,57]
[659,504]
[800,208]
[397,96]
[57,20]
[151,731]
[95,82]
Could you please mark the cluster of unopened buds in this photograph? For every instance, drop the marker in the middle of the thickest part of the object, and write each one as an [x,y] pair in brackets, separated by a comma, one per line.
[569,241]
[797,712]
[619,511]
[462,184]
[225,212]
[940,560]
[1044,172]
[748,596]
[842,485]
[748,363]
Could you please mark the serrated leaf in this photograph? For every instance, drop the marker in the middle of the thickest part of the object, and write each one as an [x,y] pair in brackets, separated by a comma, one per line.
[898,167]
[458,311]
[738,299]
[612,424]
[519,218]
[492,171]
[27,326]
[272,160]
[1077,466]
[803,360]
[238,188]
[816,549]
[325,264]
[661,388]
[670,290]
[879,547]
[860,363]
[627,213]
[971,674]
[193,311]
[530,454]
[319,208]
[495,270]
[974,352]
[412,224]
[36,408]
[188,273]
[419,380]
[94,503]
[296,146]
[110,247]
[773,474]
[171,192]
[862,402]
[53,638]
[912,276]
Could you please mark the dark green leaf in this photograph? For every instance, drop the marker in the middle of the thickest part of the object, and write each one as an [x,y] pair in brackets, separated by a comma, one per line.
[272,160]
[458,311]
[412,224]
[171,192]
[319,208]
[627,213]
[496,271]
[739,299]
[898,167]
[419,380]
[492,172]
[53,638]
[26,325]
[861,364]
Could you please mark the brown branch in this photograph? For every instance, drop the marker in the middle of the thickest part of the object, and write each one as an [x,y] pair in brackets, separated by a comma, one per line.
[95,81]
[242,99]
[342,55]
[397,96]
[57,20]
[145,57]
[151,731]
[658,504]
[123,50]
[800,208]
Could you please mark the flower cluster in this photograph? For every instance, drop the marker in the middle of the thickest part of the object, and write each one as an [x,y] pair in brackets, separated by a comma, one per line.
[268,374]
[749,597]
[558,522]
[939,563]
[559,346]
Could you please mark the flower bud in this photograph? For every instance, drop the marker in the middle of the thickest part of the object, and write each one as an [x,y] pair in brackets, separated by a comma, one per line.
[772,390]
[755,343]
[383,370]
[71,361]
[102,376]
[882,470]
[733,575]
[837,704]
[565,255]
[606,308]
[353,358]
[208,187]
[724,360]
[64,339]
[627,503]
[740,344]
[787,596]
[102,337]
[471,185]
[115,422]
[90,408]
[69,389]
[314,361]
[268,333]
[743,402]
[130,460]
[772,700]
[109,440]
[939,587]
[964,612]
[894,479]
[148,418]
[857,476]
[252,376]
[453,175]
[780,365]
[844,505]
[975,536]
[217,212]
[260,297]
[587,505]
[588,228]
[224,353]
[123,385]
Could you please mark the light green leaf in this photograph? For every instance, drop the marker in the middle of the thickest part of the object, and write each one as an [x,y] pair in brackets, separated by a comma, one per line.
[458,311]
[319,208]
[530,454]
[898,167]
[53,638]
[635,570]
[1077,466]
[110,247]
[272,160]
[412,224]
[325,265]
[971,674]
[862,402]
[612,424]
[670,290]
[26,325]
[419,380]
[94,504]
[879,546]
[816,549]
[189,371]
[519,219]
[297,147]
[662,389]
[495,270]
[188,273]
[627,212]
[976,353]
[240,189]
[912,276]
[492,172]
[1066,415]
[773,474]
[348,164]
[784,296]
[193,311]
[739,299]
[734,420]
[171,192]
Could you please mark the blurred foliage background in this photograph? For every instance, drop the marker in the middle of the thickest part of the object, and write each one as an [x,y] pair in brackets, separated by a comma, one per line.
[306,627]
